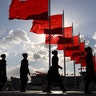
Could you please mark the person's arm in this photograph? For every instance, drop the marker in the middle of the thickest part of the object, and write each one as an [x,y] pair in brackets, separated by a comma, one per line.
[28,69]
[60,67]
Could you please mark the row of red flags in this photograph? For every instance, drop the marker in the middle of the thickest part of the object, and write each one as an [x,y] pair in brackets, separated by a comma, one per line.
[37,10]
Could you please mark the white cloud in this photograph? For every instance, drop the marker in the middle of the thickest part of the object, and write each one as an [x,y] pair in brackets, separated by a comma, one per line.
[13,71]
[18,36]
[94,37]
[36,56]
[76,25]
[87,42]
[13,38]
[82,38]
[94,49]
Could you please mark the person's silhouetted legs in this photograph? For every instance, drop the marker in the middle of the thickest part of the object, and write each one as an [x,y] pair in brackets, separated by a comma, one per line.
[87,87]
[23,86]
[49,86]
[61,86]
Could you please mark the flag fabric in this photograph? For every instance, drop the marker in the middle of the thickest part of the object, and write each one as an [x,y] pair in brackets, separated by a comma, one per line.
[67,53]
[39,26]
[83,64]
[76,41]
[67,47]
[65,37]
[73,45]
[53,31]
[79,55]
[80,59]
[68,32]
[58,30]
[81,51]
[73,55]
[53,39]
[57,39]
[28,9]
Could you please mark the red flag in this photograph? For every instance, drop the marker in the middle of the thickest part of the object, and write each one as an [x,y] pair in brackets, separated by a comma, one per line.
[75,53]
[60,39]
[57,39]
[76,40]
[67,47]
[70,46]
[29,9]
[53,39]
[68,32]
[79,56]
[80,52]
[80,59]
[68,53]
[39,26]
[53,31]
[83,64]
[58,30]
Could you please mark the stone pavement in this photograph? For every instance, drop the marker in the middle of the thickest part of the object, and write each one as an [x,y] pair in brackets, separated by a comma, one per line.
[40,93]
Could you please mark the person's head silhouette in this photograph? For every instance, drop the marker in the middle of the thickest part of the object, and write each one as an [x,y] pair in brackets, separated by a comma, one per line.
[88,49]
[25,55]
[3,56]
[55,52]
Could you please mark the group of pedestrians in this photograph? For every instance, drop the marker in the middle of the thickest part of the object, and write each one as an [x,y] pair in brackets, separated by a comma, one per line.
[54,76]
[24,71]
[53,72]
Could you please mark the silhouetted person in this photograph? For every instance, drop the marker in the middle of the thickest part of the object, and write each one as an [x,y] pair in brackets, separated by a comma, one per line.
[53,73]
[24,71]
[3,77]
[90,72]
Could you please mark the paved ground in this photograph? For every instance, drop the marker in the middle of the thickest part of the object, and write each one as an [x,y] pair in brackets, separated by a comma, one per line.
[40,93]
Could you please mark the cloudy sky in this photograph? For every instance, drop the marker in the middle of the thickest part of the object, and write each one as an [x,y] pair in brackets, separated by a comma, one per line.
[15,37]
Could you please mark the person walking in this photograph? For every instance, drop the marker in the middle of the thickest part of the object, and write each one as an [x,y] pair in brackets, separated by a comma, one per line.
[3,76]
[90,71]
[53,73]
[24,71]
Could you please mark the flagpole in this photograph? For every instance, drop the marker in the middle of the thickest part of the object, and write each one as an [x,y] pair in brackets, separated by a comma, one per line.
[49,7]
[64,49]
[73,60]
[80,59]
[95,59]
[74,74]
